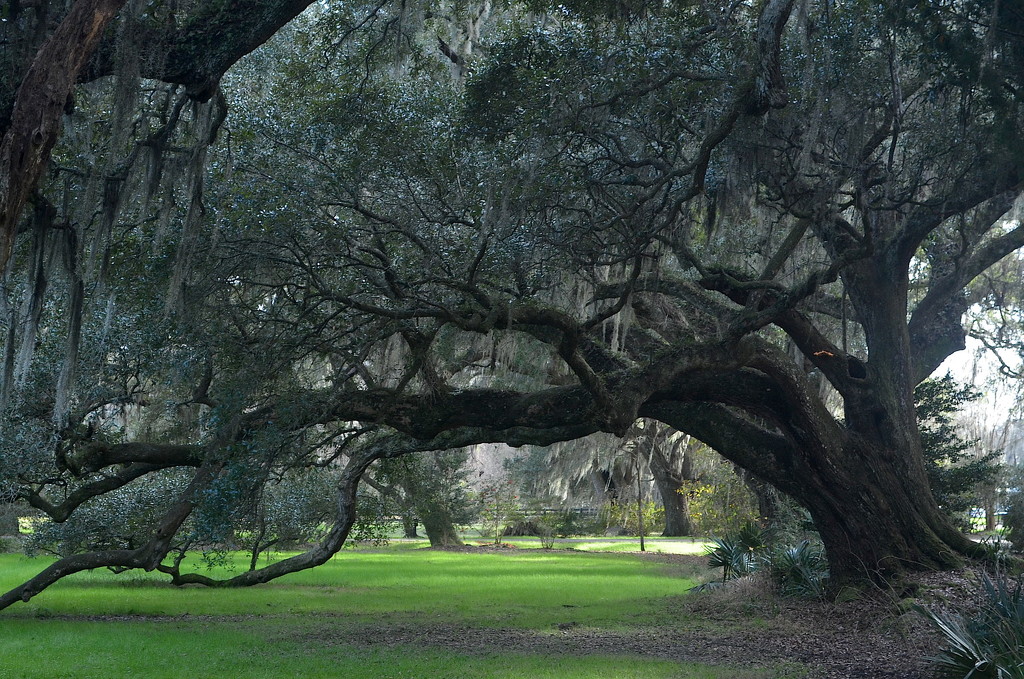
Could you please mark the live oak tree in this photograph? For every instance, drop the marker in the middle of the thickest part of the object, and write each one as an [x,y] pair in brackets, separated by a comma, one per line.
[423,236]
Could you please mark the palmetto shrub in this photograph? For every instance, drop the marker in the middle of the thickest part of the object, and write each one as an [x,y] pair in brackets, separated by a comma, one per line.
[795,570]
[798,570]
[991,643]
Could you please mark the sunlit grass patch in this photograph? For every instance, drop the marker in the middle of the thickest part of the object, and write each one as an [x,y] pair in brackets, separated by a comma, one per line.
[520,589]
[654,545]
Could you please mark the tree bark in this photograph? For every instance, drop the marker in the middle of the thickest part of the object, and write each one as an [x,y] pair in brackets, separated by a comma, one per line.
[440,530]
[409,523]
[36,117]
[765,494]
[670,468]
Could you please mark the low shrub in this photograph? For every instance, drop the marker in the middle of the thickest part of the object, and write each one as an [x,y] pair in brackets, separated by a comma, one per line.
[991,642]
[624,514]
[798,570]
[794,570]
[10,544]
[570,524]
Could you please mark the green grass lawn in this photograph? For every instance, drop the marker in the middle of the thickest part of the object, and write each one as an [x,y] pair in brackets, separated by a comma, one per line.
[98,624]
[655,545]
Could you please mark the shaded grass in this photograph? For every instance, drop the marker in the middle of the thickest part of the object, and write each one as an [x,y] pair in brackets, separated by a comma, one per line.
[296,626]
[99,650]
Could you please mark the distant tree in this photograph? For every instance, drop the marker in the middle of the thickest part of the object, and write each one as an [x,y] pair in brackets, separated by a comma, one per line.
[498,506]
[957,474]
[434,487]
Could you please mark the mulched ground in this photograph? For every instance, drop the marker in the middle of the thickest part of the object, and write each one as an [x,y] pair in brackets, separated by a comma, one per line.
[876,636]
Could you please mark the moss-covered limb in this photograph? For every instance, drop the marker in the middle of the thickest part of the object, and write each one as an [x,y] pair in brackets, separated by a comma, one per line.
[151,555]
[146,557]
[380,446]
[195,53]
[197,49]
[96,456]
[38,107]
[62,511]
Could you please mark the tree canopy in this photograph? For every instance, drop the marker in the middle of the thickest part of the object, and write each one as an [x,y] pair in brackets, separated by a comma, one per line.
[406,228]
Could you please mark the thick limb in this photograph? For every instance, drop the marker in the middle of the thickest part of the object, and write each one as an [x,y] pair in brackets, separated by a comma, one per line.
[147,557]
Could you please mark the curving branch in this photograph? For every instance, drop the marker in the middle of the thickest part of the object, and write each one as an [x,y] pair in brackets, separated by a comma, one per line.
[96,456]
[147,557]
[61,512]
[197,50]
[382,446]
[936,324]
[770,85]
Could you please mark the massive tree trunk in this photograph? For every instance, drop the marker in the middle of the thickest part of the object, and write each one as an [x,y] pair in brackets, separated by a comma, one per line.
[875,518]
[863,478]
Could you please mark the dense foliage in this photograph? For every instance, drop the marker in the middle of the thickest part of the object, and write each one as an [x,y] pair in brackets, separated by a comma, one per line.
[408,228]
[956,473]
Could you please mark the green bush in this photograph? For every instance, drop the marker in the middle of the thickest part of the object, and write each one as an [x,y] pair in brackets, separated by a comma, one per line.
[733,557]
[570,524]
[990,644]
[737,554]
[799,570]
[624,514]
[720,505]
[545,531]
[373,523]
[795,570]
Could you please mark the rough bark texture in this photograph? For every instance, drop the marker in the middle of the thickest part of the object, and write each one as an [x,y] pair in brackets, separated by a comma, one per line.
[409,524]
[439,528]
[671,467]
[35,121]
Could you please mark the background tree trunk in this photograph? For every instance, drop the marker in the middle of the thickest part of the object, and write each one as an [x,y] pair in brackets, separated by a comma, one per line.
[409,522]
[440,528]
[670,469]
[767,497]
